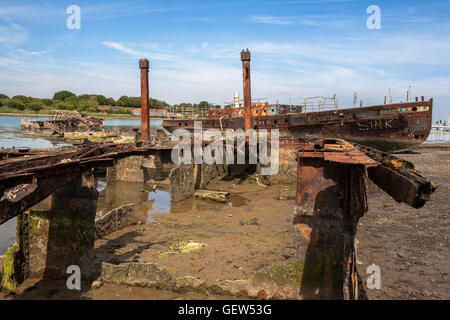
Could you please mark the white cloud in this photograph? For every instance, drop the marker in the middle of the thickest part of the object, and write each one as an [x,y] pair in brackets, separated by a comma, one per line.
[31,53]
[120,47]
[12,34]
[273,20]
[212,71]
[152,52]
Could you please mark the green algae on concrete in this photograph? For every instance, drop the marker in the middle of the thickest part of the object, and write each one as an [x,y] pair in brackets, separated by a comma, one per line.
[324,273]
[289,272]
[304,274]
[58,232]
[182,247]
[10,276]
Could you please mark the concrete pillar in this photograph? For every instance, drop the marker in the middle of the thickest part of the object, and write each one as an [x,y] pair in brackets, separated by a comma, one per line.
[59,232]
[331,197]
[127,169]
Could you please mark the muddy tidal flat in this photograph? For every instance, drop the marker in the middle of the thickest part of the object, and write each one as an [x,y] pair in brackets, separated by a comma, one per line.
[411,246]
[213,242]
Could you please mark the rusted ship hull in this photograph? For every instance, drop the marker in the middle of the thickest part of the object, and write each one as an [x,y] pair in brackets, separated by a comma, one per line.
[388,128]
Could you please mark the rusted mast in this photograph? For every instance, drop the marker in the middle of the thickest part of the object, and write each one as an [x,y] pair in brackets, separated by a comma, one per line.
[245,57]
[145,116]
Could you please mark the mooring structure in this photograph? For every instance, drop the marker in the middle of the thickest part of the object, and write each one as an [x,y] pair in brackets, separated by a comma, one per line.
[54,197]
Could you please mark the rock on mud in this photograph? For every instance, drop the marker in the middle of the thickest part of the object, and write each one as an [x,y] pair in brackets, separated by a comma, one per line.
[114,220]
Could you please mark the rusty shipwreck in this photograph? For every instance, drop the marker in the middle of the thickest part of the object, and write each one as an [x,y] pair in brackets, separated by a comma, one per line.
[388,127]
[60,122]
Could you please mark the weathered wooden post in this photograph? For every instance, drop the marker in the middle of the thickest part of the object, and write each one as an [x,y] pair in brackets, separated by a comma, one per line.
[245,58]
[331,197]
[145,115]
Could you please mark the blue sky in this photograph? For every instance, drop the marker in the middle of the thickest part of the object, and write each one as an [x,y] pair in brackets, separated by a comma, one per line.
[299,48]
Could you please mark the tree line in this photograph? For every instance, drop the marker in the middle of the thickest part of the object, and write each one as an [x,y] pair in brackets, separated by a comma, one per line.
[88,103]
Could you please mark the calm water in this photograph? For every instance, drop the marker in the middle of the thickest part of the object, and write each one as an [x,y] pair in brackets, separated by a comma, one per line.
[11,136]
[438,136]
[147,202]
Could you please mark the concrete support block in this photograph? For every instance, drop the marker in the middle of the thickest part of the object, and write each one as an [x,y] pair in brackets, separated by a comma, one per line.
[140,169]
[128,169]
[287,169]
[181,182]
[59,232]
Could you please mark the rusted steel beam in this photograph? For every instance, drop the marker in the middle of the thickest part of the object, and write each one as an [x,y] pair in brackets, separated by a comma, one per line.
[145,115]
[24,196]
[331,197]
[24,178]
[27,180]
[245,58]
[399,178]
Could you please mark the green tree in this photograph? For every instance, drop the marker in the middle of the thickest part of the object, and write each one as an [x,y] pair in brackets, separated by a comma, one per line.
[98,98]
[94,100]
[125,111]
[16,104]
[92,109]
[110,102]
[203,105]
[122,101]
[84,96]
[156,104]
[61,106]
[47,102]
[23,98]
[62,95]
[35,106]
[102,100]
[3,96]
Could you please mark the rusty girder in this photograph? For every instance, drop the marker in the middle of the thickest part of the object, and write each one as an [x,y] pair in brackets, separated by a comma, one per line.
[399,178]
[25,181]
[331,197]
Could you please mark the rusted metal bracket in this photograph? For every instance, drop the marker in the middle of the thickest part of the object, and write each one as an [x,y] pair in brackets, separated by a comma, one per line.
[398,178]
[331,197]
[25,181]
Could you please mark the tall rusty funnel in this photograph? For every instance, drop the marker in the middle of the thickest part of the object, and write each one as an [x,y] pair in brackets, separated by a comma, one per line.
[145,116]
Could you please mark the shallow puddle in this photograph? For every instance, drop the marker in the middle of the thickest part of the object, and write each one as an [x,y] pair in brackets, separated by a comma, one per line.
[148,201]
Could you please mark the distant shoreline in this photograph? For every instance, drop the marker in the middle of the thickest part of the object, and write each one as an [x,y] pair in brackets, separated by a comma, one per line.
[49,115]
